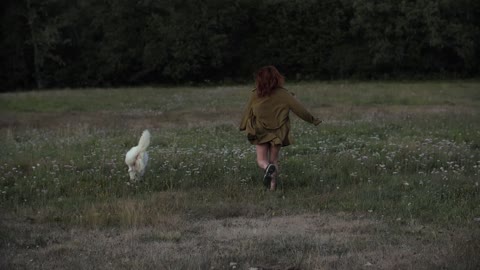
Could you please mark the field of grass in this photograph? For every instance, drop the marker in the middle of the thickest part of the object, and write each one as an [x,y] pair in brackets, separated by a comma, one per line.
[390,180]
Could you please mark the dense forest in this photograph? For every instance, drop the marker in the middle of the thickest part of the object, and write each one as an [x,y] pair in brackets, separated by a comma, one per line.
[82,43]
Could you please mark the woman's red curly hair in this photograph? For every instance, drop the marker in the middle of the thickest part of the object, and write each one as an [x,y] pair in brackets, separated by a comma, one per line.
[267,79]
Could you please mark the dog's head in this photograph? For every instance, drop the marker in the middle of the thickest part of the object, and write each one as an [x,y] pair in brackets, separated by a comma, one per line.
[133,173]
[136,164]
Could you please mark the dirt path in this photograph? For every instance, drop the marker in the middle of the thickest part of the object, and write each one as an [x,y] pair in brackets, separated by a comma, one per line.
[316,241]
[203,116]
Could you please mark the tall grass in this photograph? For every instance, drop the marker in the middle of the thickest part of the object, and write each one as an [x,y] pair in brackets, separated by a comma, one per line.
[405,152]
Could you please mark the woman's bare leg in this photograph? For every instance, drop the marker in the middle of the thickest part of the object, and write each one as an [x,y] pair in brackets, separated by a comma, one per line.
[268,154]
[274,153]
[262,155]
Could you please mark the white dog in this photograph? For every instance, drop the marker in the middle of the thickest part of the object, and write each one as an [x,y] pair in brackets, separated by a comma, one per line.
[137,157]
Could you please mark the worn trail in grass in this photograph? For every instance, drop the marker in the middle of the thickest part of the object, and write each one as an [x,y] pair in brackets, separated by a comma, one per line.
[307,241]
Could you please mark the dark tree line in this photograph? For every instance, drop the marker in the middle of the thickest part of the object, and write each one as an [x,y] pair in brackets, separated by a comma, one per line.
[59,43]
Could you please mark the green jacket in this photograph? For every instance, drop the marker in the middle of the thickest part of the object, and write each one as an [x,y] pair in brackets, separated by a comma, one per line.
[266,119]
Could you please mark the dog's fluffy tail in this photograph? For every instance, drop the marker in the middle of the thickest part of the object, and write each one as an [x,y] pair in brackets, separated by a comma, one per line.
[144,141]
[132,154]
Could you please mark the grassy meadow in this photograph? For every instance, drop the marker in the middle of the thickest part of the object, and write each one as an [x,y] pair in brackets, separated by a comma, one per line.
[390,180]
